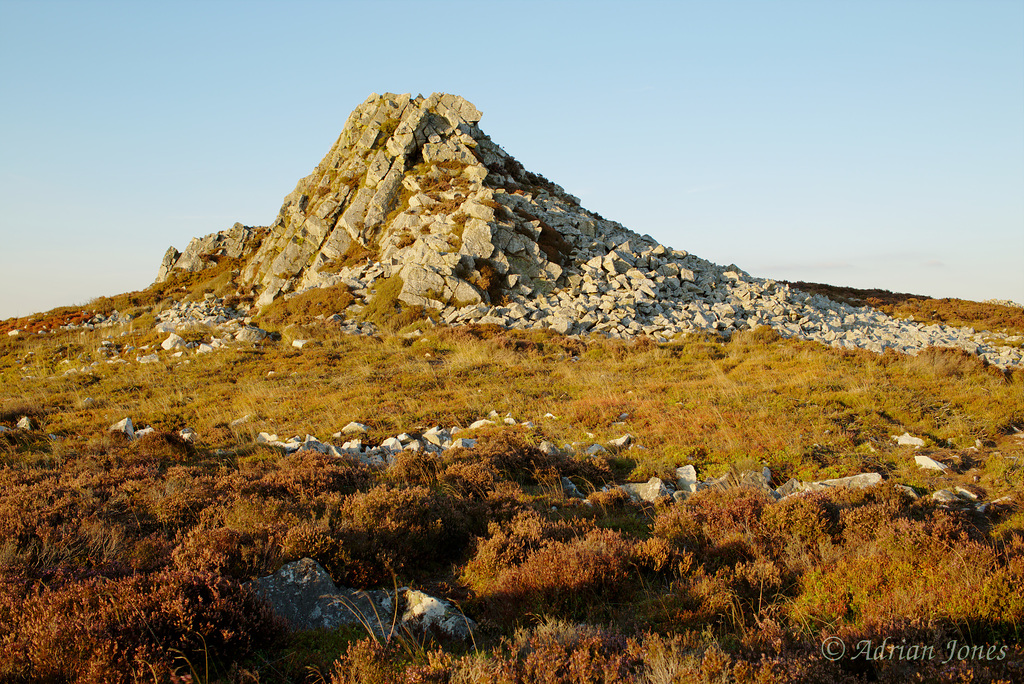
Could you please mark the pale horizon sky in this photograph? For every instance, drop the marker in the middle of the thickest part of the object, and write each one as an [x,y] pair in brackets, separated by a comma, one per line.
[865,144]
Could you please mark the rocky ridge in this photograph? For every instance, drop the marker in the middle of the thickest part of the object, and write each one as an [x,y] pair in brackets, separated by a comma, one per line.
[416,204]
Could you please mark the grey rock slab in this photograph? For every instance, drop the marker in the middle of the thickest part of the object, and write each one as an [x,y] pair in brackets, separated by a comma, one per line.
[966,493]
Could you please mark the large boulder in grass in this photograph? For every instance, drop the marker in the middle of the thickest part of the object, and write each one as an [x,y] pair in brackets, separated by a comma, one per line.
[305,596]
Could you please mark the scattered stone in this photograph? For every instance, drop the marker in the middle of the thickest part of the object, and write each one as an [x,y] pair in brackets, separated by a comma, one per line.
[686,479]
[570,490]
[149,358]
[189,435]
[125,427]
[305,596]
[299,344]
[929,463]
[861,481]
[88,403]
[355,428]
[760,480]
[483,422]
[240,421]
[24,423]
[143,432]
[392,444]
[173,341]
[909,491]
[464,443]
[944,496]
[621,442]
[428,615]
[251,334]
[966,493]
[906,439]
[548,449]
[649,491]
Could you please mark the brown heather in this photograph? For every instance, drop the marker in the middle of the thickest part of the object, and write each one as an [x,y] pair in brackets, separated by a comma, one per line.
[128,561]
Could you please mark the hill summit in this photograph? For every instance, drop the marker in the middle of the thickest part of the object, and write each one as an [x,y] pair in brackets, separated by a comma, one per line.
[414,207]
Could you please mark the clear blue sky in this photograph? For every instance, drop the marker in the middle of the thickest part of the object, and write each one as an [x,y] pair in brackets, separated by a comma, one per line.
[867,143]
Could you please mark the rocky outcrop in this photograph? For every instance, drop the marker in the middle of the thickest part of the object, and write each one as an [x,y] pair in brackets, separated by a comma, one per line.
[237,242]
[415,188]
[414,195]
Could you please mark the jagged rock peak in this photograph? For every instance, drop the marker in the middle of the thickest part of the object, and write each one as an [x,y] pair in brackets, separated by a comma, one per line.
[414,185]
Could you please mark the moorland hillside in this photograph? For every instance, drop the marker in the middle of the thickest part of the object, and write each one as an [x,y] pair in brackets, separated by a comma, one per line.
[439,423]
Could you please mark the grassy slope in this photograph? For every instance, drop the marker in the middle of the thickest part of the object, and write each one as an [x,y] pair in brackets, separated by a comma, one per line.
[86,520]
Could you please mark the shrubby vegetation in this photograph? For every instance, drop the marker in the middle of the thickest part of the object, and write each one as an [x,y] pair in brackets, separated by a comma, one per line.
[130,561]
